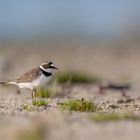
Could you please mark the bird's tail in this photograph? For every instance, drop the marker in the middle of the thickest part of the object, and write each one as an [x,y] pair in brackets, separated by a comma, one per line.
[4,82]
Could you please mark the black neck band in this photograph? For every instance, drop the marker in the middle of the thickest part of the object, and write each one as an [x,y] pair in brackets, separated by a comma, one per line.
[47,74]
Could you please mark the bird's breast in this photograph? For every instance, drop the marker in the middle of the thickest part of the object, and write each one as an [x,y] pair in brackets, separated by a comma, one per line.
[41,81]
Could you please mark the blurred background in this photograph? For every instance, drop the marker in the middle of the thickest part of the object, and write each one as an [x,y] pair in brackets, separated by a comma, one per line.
[95,37]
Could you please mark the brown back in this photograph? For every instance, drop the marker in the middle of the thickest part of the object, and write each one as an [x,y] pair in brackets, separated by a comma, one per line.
[29,76]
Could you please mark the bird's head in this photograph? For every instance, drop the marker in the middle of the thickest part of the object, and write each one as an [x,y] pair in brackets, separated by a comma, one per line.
[48,67]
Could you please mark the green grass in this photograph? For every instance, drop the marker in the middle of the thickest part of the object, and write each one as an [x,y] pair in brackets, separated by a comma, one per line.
[49,92]
[105,117]
[27,108]
[44,93]
[40,103]
[78,105]
[75,77]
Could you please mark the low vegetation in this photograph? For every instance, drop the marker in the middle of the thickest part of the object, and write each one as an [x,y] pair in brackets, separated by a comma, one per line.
[30,136]
[74,78]
[40,102]
[51,91]
[104,117]
[78,105]
[44,93]
[27,108]
[33,134]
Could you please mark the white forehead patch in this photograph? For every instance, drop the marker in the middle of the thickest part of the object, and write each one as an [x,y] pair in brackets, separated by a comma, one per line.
[52,64]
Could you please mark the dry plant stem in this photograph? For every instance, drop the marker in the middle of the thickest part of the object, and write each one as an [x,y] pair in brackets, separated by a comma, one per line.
[33,94]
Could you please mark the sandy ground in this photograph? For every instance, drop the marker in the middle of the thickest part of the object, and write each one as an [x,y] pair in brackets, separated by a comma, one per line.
[57,124]
[108,63]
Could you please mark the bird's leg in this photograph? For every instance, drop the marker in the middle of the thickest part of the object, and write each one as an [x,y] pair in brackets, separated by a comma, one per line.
[18,91]
[33,94]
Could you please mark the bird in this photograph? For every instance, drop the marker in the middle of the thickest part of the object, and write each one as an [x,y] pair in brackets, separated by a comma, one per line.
[35,78]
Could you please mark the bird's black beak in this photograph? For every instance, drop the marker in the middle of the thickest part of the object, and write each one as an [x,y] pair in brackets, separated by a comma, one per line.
[56,68]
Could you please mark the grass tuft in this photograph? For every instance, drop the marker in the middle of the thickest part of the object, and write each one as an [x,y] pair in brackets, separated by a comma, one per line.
[44,93]
[27,108]
[78,105]
[74,78]
[40,102]
[104,117]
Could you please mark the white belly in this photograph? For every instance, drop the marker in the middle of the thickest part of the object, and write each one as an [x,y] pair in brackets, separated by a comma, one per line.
[40,82]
